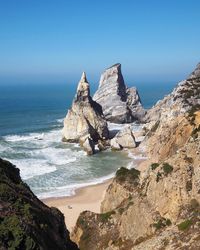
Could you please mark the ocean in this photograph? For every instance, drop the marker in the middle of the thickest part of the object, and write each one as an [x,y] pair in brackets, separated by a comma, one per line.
[31,119]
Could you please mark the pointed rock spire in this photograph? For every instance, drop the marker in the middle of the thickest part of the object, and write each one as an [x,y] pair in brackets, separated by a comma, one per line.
[85,117]
[83,90]
[83,77]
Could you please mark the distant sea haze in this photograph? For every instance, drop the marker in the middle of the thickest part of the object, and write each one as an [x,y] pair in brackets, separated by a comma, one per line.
[31,119]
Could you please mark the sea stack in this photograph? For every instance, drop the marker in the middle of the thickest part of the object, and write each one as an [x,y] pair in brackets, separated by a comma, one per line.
[120,104]
[85,118]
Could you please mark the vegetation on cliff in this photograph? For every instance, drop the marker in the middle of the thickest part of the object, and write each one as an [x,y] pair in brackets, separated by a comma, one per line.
[25,222]
[157,208]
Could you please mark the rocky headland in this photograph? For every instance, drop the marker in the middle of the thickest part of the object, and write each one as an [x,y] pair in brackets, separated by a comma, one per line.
[26,222]
[120,104]
[156,206]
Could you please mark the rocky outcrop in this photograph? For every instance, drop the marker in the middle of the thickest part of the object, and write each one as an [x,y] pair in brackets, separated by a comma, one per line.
[85,116]
[123,139]
[120,104]
[184,97]
[89,146]
[159,207]
[26,222]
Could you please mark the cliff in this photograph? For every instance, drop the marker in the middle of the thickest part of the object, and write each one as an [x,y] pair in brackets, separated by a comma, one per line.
[120,104]
[186,95]
[25,222]
[159,207]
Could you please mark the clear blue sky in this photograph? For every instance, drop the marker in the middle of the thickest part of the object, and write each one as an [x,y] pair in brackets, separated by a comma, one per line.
[54,40]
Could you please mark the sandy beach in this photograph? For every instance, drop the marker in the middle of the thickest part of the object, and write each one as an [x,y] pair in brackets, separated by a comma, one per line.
[87,198]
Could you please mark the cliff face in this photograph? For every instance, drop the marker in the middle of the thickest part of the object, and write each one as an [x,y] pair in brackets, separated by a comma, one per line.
[25,222]
[120,104]
[85,118]
[159,207]
[180,101]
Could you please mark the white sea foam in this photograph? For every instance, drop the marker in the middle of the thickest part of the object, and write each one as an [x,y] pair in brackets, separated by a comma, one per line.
[70,190]
[60,120]
[53,168]
[32,167]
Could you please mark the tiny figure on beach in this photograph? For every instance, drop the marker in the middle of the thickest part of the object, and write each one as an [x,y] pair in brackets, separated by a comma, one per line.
[70,207]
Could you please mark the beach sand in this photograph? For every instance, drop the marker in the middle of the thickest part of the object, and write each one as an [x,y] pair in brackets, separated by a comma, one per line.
[87,198]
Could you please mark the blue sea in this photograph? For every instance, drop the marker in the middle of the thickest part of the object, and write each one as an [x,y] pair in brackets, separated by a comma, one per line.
[31,119]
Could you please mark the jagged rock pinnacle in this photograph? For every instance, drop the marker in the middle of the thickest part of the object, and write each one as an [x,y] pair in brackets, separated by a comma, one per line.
[83,77]
[120,104]
[83,90]
[85,117]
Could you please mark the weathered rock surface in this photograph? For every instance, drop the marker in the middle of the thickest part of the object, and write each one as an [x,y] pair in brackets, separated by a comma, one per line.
[123,139]
[120,104]
[184,97]
[89,146]
[159,207]
[85,116]
[26,222]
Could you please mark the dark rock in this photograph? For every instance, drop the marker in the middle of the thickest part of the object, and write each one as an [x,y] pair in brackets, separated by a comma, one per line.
[26,222]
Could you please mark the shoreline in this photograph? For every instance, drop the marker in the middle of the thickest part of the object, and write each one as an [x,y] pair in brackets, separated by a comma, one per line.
[85,198]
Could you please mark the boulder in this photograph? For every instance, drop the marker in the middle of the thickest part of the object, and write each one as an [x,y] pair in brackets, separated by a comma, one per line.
[120,104]
[115,145]
[89,146]
[123,139]
[85,117]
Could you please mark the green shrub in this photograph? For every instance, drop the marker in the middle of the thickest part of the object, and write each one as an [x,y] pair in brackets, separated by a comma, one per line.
[106,216]
[154,166]
[184,225]
[124,174]
[167,168]
[161,223]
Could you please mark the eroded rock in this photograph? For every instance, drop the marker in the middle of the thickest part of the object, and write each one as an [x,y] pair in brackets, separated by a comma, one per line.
[85,117]
[123,139]
[120,104]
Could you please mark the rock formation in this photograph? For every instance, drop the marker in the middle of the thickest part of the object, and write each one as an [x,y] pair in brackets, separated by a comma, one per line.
[123,139]
[88,146]
[180,101]
[120,104]
[158,207]
[85,116]
[25,222]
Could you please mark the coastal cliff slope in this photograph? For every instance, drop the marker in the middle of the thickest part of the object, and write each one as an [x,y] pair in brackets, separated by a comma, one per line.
[158,207]
[184,96]
[25,222]
[85,116]
[120,104]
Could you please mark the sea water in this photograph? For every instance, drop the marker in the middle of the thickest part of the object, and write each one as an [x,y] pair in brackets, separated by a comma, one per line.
[31,119]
